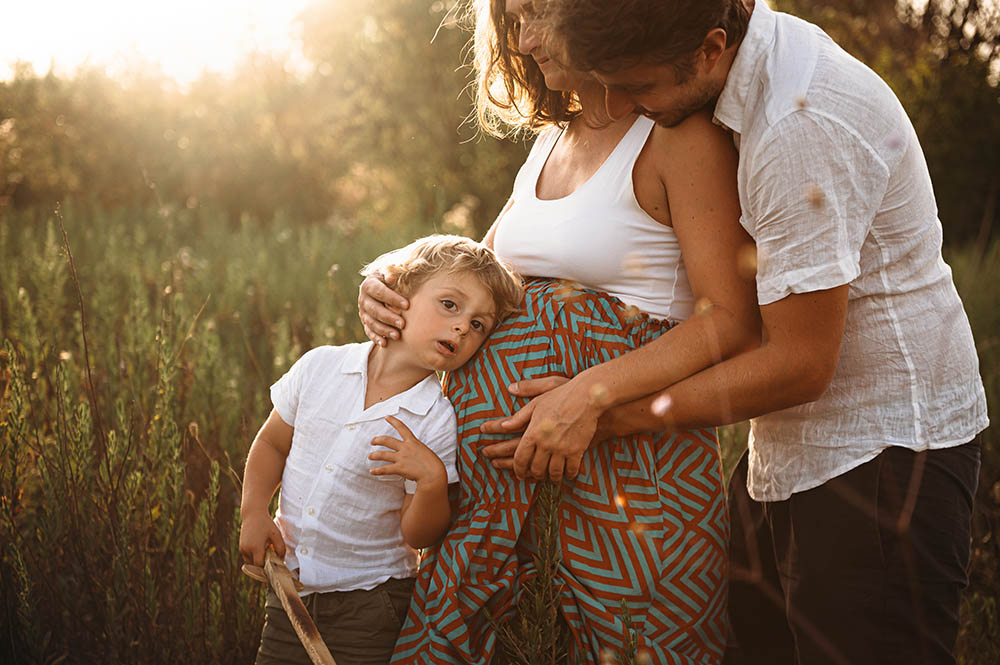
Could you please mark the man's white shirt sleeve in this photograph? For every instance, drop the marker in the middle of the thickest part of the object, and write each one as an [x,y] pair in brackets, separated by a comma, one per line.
[810,210]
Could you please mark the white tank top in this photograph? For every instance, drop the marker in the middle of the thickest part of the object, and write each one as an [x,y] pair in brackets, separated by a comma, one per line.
[598,235]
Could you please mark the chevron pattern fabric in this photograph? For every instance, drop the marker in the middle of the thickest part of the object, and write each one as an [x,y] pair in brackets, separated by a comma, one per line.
[644,523]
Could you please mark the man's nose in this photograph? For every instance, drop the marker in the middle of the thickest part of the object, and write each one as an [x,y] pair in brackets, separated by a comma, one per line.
[617,103]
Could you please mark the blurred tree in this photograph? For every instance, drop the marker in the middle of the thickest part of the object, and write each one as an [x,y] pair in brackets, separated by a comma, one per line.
[392,74]
[232,144]
[942,58]
[378,130]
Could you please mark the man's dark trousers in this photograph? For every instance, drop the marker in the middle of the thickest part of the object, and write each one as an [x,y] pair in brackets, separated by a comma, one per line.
[866,568]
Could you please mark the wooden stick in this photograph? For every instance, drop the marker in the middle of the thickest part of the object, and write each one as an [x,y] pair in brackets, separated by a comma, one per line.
[286,587]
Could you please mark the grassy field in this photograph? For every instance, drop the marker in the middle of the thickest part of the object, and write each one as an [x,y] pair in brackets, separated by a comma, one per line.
[124,423]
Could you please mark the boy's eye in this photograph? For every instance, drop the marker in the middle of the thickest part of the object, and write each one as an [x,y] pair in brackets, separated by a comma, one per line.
[448,304]
[478,325]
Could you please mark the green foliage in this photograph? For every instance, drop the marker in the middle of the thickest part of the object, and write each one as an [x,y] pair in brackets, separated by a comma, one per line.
[377,127]
[131,530]
[538,634]
[976,272]
[120,526]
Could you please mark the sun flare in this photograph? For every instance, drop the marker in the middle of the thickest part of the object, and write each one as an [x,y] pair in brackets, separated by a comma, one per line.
[182,38]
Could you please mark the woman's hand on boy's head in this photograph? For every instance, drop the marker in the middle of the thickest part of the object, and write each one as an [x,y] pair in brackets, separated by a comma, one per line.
[379,307]
[408,457]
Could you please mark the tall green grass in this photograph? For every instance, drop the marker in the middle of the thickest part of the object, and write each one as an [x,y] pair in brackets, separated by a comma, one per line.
[119,488]
[977,275]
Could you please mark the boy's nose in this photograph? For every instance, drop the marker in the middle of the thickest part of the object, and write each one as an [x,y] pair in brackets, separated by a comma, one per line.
[461,327]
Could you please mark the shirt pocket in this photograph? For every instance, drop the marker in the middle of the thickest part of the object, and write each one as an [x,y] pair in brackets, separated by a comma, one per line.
[312,443]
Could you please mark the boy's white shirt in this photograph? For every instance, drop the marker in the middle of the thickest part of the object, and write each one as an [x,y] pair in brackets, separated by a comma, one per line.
[834,190]
[341,523]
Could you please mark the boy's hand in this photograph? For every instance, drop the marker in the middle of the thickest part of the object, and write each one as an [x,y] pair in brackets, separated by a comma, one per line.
[408,457]
[257,531]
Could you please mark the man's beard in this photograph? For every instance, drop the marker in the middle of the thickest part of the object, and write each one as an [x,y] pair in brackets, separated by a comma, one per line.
[706,97]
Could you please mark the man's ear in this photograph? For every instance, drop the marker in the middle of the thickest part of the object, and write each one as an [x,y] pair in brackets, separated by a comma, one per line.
[713,46]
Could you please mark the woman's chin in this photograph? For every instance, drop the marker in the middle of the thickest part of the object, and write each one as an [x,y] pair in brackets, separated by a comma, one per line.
[557,81]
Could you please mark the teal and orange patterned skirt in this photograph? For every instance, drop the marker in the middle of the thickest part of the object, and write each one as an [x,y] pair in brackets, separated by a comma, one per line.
[643,527]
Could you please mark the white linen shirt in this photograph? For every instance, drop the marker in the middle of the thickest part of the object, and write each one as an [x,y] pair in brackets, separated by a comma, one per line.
[340,523]
[834,189]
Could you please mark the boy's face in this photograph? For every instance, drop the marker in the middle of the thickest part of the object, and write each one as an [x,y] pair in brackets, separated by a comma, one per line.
[449,317]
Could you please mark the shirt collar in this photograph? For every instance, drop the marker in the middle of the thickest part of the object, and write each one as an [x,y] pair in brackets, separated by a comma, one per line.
[356,359]
[417,400]
[749,57]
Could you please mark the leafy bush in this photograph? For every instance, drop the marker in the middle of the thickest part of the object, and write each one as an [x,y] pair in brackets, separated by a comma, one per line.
[123,435]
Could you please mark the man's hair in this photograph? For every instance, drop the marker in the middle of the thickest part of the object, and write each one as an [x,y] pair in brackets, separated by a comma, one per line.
[426,257]
[603,36]
[511,95]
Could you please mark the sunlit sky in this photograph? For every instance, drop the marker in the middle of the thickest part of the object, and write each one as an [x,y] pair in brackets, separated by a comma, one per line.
[184,37]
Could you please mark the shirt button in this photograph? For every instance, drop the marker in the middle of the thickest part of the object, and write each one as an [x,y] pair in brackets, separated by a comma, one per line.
[311,511]
[304,551]
[328,467]
[352,427]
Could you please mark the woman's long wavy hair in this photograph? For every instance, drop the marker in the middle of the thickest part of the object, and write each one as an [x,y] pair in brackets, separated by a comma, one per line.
[511,95]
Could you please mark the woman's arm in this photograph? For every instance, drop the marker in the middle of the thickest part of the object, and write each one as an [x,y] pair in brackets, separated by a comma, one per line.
[697,163]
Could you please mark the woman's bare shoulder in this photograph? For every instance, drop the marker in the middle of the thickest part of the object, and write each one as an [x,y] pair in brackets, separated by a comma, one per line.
[693,146]
[696,138]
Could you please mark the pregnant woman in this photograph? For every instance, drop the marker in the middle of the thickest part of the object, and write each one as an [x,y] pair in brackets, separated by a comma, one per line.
[602,213]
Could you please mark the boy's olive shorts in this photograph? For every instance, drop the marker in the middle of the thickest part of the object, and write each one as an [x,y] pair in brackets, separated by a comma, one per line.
[359,627]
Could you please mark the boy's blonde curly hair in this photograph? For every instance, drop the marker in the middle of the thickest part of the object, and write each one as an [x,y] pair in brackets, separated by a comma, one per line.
[423,258]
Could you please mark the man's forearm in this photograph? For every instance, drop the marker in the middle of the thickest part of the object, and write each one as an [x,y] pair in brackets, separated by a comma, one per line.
[760,381]
[745,386]
[794,365]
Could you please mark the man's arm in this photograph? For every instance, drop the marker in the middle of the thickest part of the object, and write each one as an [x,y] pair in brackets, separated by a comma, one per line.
[793,365]
[813,190]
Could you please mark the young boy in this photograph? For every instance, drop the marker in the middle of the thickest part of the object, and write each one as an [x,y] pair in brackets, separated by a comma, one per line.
[363,442]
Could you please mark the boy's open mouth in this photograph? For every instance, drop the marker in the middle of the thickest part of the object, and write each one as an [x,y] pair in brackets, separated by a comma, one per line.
[448,346]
